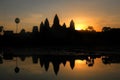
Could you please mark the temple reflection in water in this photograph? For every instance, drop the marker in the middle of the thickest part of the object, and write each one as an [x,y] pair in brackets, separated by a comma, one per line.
[57,60]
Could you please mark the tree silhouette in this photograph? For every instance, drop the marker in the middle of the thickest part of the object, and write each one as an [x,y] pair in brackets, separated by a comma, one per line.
[17,21]
[90,29]
[105,29]
[22,31]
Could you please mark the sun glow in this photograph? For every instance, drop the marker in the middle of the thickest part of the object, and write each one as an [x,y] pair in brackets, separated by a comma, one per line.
[80,23]
[80,26]
[79,61]
[80,64]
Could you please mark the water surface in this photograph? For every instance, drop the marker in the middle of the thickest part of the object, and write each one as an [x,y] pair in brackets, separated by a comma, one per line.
[82,66]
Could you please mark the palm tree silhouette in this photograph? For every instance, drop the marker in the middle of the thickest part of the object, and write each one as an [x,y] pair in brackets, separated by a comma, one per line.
[17,21]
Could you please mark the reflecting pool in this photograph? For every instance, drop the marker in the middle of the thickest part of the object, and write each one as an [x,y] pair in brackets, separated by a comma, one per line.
[82,66]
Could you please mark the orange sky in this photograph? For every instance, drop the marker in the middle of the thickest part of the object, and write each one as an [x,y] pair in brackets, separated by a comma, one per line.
[96,13]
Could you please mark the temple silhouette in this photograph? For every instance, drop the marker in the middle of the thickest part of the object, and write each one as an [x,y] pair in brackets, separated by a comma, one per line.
[60,35]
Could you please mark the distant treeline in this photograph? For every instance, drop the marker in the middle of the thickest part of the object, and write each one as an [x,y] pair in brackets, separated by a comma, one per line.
[61,35]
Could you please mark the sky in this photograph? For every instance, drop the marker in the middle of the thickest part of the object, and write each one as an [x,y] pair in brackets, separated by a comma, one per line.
[96,13]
